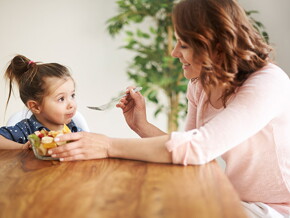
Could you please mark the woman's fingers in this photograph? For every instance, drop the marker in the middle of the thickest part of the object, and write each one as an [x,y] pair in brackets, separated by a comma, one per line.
[81,146]
[69,137]
[122,103]
[73,158]
[64,150]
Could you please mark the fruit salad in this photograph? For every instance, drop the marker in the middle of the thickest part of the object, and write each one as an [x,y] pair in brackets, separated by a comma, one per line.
[43,140]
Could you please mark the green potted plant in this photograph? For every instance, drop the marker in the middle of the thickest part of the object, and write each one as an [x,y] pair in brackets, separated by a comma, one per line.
[153,68]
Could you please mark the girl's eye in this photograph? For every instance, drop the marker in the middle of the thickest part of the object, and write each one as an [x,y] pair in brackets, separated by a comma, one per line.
[183,46]
[73,95]
[61,99]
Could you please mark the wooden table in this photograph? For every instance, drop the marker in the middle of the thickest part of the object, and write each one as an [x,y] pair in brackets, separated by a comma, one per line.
[112,188]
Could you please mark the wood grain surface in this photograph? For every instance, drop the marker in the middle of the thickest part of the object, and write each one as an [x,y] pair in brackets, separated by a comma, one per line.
[112,188]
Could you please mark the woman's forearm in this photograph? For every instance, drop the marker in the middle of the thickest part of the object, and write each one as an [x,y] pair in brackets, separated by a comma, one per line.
[148,130]
[145,149]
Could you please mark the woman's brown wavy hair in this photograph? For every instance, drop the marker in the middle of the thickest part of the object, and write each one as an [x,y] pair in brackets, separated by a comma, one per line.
[223,40]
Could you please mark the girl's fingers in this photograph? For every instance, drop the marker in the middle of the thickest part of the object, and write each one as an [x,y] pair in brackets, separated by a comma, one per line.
[27,145]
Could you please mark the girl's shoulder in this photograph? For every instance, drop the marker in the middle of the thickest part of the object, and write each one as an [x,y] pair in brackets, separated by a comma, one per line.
[73,127]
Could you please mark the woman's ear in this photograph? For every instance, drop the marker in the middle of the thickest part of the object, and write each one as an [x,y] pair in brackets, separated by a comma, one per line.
[33,106]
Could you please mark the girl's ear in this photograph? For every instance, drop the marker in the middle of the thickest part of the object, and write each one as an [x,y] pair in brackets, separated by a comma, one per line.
[33,106]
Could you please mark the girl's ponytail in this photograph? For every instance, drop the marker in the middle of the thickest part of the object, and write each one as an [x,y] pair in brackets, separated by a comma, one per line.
[20,71]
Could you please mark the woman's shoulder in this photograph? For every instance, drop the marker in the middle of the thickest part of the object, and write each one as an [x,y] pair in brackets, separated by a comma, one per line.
[270,81]
[271,71]
[270,74]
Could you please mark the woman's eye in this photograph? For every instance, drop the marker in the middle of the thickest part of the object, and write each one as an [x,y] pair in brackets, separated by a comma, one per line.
[73,95]
[183,46]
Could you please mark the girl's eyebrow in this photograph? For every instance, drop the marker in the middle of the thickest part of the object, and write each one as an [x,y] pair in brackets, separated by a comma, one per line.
[64,93]
[59,94]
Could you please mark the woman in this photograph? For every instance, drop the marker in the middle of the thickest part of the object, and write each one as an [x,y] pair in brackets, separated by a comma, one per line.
[238,107]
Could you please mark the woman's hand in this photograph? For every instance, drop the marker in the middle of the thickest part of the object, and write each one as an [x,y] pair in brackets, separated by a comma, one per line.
[134,110]
[81,146]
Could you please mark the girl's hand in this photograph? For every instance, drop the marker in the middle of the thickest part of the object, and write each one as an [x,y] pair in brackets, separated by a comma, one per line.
[81,146]
[27,145]
[134,109]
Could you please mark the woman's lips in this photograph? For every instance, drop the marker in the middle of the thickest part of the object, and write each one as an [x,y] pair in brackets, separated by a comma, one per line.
[185,66]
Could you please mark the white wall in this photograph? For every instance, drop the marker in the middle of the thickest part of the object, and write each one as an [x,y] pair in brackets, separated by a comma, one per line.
[73,33]
[275,15]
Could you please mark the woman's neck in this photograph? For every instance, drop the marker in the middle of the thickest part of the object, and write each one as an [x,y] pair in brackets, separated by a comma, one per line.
[215,97]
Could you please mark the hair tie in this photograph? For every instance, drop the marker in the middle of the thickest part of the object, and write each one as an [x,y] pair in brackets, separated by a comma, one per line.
[31,62]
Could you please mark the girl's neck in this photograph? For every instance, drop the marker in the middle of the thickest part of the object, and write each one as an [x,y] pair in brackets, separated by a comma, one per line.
[47,124]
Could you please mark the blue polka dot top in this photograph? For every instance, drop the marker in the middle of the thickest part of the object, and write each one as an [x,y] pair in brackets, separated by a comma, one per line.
[22,129]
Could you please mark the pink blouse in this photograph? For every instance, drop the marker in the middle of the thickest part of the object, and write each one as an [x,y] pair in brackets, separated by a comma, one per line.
[252,134]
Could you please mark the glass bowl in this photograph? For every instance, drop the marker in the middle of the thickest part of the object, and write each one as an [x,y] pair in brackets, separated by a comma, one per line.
[38,152]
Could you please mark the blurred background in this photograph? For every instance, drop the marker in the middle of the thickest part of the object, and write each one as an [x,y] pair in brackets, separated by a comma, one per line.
[73,33]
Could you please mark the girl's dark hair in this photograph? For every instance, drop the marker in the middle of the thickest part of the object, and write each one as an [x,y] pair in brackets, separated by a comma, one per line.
[223,26]
[29,76]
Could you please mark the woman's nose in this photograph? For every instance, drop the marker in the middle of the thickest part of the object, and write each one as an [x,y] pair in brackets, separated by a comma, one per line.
[175,53]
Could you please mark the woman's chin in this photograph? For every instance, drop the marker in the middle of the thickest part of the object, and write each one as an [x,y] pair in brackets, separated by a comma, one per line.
[189,75]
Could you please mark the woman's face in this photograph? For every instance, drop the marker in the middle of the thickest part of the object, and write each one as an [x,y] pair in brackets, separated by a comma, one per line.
[191,67]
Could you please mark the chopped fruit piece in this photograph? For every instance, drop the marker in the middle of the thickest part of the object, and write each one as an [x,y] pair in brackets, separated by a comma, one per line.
[48,142]
[34,140]
[42,151]
[65,129]
[53,133]
[39,134]
[47,139]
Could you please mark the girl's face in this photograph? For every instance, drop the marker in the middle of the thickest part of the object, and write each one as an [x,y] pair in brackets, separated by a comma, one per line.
[191,67]
[59,105]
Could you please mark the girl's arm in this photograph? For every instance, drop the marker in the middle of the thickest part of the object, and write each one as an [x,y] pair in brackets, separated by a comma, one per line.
[8,144]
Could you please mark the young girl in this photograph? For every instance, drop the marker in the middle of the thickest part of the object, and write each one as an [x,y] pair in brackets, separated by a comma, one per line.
[238,108]
[48,91]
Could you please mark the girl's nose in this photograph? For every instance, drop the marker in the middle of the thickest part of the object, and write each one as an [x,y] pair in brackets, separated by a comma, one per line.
[71,103]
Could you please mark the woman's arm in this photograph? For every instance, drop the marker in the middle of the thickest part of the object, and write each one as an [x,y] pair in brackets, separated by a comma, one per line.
[84,146]
[149,130]
[8,144]
[147,149]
